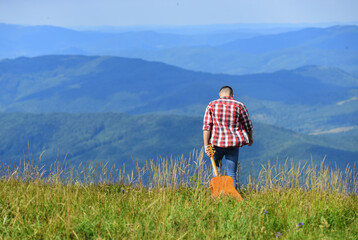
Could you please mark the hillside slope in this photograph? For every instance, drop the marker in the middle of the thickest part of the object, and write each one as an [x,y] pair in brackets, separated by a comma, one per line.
[119,139]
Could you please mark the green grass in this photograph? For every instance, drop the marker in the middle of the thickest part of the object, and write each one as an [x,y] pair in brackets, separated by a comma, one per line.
[286,201]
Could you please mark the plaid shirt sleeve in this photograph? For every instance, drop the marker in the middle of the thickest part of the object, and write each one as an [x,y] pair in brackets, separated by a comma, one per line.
[208,120]
[244,119]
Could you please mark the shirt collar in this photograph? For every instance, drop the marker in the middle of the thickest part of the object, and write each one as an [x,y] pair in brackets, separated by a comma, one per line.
[227,97]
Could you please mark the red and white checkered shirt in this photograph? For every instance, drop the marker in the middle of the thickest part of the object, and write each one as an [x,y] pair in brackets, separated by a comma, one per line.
[228,120]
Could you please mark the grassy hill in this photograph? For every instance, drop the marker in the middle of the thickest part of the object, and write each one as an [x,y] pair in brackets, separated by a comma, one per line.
[285,201]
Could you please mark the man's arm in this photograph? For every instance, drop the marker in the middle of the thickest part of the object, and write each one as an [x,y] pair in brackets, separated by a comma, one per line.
[247,124]
[251,140]
[206,138]
[207,125]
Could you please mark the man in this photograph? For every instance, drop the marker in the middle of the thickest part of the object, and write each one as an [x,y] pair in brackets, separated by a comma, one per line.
[227,127]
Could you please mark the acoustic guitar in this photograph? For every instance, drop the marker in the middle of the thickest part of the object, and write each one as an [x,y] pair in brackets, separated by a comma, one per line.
[221,185]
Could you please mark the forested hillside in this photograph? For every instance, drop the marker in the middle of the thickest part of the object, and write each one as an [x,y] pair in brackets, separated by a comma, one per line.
[119,139]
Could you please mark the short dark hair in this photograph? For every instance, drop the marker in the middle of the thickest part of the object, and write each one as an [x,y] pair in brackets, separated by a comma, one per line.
[227,89]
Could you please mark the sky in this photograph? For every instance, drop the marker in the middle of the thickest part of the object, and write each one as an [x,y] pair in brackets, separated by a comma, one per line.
[69,13]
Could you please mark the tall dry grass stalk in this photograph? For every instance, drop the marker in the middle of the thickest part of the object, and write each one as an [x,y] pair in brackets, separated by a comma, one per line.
[306,177]
[182,172]
[169,198]
[171,171]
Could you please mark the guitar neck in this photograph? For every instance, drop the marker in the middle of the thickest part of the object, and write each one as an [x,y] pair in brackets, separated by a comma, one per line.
[216,173]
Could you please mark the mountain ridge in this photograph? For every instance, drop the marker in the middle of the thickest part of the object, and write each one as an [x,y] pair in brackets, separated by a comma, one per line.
[330,46]
[66,83]
[316,37]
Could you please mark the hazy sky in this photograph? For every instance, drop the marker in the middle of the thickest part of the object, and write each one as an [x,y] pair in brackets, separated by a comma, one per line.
[175,12]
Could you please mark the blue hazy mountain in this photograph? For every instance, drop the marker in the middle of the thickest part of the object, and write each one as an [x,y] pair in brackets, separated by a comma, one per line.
[17,40]
[156,110]
[115,84]
[334,46]
[70,78]
[233,51]
[343,38]
[303,103]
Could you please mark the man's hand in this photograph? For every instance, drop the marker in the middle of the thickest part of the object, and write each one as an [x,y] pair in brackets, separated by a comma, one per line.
[207,151]
[250,142]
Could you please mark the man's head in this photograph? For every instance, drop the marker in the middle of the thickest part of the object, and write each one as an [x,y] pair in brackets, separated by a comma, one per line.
[226,91]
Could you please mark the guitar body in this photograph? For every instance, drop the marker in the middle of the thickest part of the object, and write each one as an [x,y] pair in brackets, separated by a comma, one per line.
[224,185]
[221,185]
